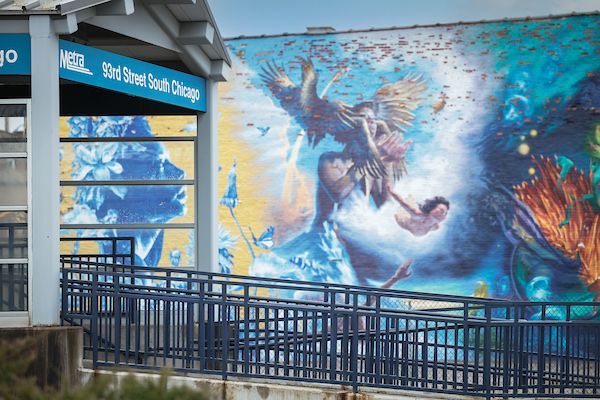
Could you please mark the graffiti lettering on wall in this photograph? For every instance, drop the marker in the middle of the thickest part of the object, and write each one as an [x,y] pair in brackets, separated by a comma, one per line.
[459,159]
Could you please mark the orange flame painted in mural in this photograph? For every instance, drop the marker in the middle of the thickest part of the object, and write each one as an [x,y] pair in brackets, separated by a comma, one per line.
[551,202]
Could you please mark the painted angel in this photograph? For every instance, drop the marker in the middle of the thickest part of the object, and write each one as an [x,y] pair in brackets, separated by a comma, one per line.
[371,132]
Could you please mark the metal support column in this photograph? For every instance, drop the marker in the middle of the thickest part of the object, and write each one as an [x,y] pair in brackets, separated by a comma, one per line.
[45,175]
[207,247]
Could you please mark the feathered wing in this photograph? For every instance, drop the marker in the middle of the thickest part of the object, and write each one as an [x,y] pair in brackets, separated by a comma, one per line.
[317,117]
[310,78]
[395,102]
[282,87]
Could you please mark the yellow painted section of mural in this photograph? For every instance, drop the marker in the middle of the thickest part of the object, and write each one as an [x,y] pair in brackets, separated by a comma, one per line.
[251,207]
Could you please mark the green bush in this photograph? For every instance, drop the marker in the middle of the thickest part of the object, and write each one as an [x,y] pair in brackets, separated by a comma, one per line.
[17,382]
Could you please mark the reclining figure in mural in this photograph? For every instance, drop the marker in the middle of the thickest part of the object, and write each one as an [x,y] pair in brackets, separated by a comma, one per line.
[424,219]
[371,132]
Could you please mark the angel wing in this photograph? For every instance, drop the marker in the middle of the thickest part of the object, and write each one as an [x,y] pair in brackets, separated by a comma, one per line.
[393,105]
[282,87]
[395,102]
[317,117]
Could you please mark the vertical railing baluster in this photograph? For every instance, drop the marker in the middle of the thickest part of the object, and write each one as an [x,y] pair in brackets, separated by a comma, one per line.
[247,330]
[540,355]
[64,295]
[354,347]
[202,327]
[466,337]
[94,321]
[565,377]
[377,339]
[506,354]
[166,319]
[333,340]
[224,332]
[487,356]
[189,335]
[117,324]
[405,359]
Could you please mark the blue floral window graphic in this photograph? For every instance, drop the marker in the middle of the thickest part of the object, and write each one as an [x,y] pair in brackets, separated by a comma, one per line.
[131,176]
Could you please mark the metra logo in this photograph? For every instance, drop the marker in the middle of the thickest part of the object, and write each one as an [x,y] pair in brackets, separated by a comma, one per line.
[73,61]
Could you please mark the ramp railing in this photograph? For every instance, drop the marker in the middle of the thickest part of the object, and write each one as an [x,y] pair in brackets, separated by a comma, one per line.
[229,325]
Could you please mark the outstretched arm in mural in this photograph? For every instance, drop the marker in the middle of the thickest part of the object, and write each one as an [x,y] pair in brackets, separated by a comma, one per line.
[401,273]
[414,212]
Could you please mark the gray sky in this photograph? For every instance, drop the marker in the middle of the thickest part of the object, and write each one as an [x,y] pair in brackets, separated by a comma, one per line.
[256,17]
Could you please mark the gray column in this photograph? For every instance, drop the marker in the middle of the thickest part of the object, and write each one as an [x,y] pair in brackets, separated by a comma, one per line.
[44,264]
[207,246]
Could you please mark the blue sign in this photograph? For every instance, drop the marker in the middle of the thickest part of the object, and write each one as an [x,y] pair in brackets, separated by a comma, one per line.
[126,75]
[15,54]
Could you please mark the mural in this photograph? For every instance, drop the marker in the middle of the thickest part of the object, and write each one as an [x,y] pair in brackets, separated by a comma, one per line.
[459,159]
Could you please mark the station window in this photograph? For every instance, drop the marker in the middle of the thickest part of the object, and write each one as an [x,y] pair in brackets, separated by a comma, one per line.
[14,205]
[130,176]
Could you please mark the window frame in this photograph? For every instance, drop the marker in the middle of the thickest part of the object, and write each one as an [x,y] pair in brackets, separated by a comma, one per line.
[21,318]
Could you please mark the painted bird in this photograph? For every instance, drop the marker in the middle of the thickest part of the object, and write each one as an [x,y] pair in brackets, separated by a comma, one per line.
[263,130]
[265,240]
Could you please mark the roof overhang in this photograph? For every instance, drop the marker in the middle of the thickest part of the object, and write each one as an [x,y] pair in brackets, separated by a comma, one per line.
[163,31]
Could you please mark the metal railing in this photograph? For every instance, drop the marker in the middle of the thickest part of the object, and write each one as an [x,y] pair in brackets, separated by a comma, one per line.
[13,240]
[13,286]
[13,266]
[229,325]
[109,250]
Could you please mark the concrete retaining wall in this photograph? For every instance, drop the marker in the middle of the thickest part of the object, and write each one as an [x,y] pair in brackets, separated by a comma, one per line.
[259,389]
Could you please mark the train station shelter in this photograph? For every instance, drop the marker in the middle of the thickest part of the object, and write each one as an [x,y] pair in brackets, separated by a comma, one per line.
[94,58]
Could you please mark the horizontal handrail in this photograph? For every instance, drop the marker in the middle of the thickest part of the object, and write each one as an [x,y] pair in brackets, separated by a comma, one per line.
[281,283]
